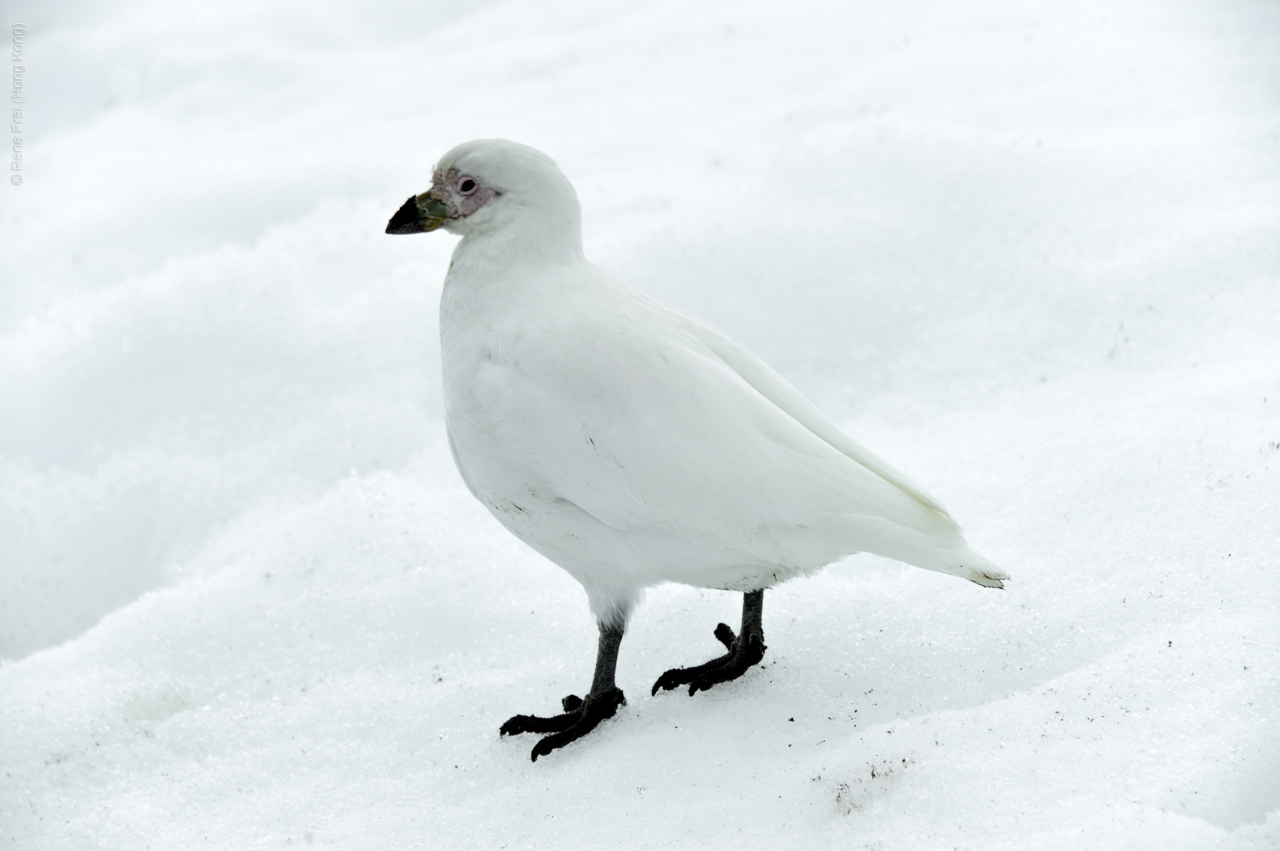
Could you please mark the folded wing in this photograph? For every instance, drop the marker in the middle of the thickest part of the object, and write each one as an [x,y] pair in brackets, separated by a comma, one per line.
[655,423]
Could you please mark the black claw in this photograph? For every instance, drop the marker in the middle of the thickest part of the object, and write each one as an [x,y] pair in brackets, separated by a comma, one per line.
[725,633]
[732,665]
[744,657]
[580,717]
[677,677]
[518,724]
[745,650]
[587,715]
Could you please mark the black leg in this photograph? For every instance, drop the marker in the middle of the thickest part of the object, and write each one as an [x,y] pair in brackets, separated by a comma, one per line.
[745,649]
[580,716]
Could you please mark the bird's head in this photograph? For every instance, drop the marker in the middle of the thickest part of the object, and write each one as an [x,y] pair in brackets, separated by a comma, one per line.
[492,185]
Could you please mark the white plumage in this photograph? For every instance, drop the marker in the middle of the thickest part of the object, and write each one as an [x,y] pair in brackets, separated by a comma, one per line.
[632,444]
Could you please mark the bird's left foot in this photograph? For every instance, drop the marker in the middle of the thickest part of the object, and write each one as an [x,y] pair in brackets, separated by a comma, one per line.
[580,717]
[744,652]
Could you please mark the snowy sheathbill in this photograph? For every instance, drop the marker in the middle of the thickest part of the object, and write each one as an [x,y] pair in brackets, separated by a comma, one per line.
[632,444]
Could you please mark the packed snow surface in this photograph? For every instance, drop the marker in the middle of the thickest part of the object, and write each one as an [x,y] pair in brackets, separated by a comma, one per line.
[1028,253]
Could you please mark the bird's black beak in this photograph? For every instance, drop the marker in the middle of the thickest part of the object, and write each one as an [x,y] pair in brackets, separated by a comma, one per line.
[420,214]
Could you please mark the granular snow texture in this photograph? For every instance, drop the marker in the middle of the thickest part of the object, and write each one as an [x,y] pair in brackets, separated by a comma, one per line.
[1029,254]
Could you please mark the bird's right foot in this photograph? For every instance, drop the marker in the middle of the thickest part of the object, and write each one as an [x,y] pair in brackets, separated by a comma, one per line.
[744,652]
[580,717]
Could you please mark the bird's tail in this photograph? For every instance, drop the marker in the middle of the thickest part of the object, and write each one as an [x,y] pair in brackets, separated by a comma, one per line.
[974,566]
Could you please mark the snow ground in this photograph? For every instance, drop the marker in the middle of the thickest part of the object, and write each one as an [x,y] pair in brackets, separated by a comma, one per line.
[1027,253]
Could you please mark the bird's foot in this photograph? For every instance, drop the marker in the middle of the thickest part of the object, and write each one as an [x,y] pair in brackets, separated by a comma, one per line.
[580,717]
[741,656]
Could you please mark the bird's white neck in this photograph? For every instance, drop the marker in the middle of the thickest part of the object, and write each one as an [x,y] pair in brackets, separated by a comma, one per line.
[530,240]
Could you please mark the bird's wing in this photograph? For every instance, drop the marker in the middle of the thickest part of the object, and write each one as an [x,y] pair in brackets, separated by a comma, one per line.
[791,401]
[644,418]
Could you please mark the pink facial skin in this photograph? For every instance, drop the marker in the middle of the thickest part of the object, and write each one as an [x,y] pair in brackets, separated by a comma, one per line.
[449,187]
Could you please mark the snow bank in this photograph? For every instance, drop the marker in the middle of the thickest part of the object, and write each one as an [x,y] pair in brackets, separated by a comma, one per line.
[1028,255]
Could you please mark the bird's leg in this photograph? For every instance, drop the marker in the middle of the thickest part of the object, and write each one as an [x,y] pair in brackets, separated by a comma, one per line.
[580,716]
[745,649]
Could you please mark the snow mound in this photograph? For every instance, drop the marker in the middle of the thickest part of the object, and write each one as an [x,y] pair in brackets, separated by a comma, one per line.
[246,603]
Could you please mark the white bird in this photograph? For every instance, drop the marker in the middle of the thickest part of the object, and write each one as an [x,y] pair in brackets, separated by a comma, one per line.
[632,444]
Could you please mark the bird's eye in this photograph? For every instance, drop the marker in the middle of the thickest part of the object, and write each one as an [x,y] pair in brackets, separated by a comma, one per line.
[466,186]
